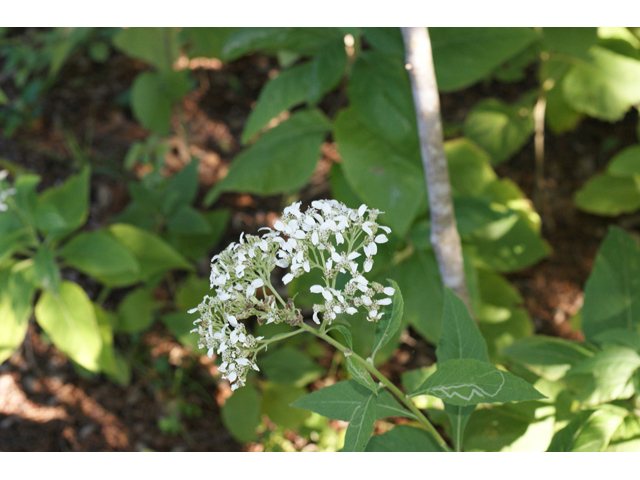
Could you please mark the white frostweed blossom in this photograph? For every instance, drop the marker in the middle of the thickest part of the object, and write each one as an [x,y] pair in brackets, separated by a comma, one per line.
[327,236]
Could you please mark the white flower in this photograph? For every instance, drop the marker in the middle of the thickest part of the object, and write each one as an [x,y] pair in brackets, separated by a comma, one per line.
[389,291]
[287,278]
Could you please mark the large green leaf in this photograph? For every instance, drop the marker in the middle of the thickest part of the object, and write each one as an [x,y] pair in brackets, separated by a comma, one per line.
[519,427]
[207,41]
[627,437]
[460,337]
[609,195]
[463,56]
[306,82]
[70,321]
[111,362]
[403,438]
[612,292]
[157,46]
[195,247]
[153,255]
[16,295]
[241,413]
[63,209]
[153,95]
[135,311]
[549,357]
[282,160]
[389,324]
[289,365]
[98,254]
[361,425]
[570,40]
[305,41]
[46,273]
[469,382]
[606,87]
[380,94]
[588,431]
[501,129]
[340,400]
[605,376]
[626,162]
[469,167]
[276,400]
[383,177]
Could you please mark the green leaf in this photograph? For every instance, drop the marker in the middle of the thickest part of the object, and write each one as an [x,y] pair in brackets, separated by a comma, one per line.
[520,427]
[415,276]
[588,431]
[384,178]
[157,46]
[191,292]
[389,324]
[181,189]
[361,425]
[345,333]
[135,312]
[276,400]
[360,374]
[241,414]
[469,168]
[306,82]
[460,337]
[627,437]
[289,365]
[403,438]
[46,273]
[195,247]
[188,221]
[63,209]
[380,94]
[499,300]
[609,375]
[282,160]
[609,195]
[619,336]
[548,357]
[305,41]
[207,42]
[98,254]
[469,382]
[281,93]
[153,255]
[501,129]
[340,400]
[69,319]
[559,115]
[605,87]
[571,40]
[626,162]
[180,325]
[385,39]
[111,363]
[612,292]
[153,95]
[16,297]
[463,56]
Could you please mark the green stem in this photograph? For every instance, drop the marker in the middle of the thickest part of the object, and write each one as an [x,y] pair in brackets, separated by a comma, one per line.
[278,338]
[385,381]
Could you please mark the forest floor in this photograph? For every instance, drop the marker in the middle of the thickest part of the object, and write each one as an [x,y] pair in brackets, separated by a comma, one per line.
[45,405]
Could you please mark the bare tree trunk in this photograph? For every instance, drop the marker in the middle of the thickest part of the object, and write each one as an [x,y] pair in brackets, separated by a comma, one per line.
[444,234]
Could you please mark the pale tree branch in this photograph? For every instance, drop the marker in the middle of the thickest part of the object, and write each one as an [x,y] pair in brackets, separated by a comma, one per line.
[444,234]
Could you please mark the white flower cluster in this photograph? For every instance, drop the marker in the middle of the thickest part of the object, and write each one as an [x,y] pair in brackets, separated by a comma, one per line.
[328,236]
[5,192]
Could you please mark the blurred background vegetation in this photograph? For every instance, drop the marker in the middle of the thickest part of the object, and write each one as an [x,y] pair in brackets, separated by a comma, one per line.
[138,153]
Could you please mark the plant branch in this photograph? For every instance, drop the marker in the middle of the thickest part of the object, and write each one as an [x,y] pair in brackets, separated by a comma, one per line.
[444,234]
[407,402]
